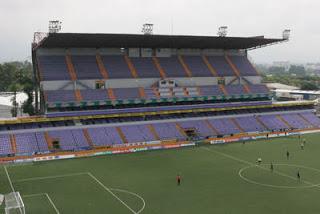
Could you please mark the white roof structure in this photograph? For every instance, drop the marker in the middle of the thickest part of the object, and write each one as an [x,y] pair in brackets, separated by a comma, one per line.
[280,86]
[5,98]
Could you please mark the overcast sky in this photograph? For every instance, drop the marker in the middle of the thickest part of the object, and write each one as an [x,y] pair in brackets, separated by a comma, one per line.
[20,18]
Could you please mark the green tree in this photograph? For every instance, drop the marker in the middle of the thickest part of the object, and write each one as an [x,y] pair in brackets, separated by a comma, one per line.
[305,85]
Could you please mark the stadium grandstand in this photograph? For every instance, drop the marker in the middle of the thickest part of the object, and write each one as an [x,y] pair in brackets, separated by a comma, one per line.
[125,92]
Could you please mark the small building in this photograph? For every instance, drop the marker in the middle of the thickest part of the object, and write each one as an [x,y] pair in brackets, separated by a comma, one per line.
[6,103]
[274,86]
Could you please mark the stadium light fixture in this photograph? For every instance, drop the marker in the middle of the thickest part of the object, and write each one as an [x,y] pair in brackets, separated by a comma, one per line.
[222,31]
[54,26]
[147,29]
[286,34]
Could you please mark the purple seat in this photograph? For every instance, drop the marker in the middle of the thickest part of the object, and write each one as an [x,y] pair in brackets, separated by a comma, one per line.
[220,64]
[312,118]
[126,93]
[145,67]
[272,122]
[167,131]
[258,89]
[149,93]
[224,126]
[250,124]
[94,94]
[172,67]
[31,143]
[5,145]
[104,136]
[86,67]
[201,127]
[197,66]
[213,90]
[235,89]
[137,133]
[117,67]
[295,121]
[53,67]
[60,96]
[243,65]
[69,139]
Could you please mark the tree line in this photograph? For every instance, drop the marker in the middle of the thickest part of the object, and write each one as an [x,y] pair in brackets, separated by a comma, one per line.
[18,77]
[296,76]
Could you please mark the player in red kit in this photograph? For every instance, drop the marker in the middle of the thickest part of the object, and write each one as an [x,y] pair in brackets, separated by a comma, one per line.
[178,180]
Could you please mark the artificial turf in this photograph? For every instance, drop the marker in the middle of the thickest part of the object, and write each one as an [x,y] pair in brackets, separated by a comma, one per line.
[210,181]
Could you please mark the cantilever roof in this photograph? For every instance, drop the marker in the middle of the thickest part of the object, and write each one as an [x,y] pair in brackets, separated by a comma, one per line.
[83,40]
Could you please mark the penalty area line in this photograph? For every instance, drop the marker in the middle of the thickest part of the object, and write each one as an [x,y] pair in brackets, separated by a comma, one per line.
[50,177]
[47,196]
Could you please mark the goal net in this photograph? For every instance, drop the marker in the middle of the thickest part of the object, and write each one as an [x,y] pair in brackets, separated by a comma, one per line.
[14,203]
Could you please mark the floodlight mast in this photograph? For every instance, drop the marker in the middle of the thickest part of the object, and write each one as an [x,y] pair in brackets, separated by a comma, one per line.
[54,26]
[222,31]
[286,34]
[147,29]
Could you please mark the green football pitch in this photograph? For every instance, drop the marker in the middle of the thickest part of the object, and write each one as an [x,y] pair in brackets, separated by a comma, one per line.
[215,179]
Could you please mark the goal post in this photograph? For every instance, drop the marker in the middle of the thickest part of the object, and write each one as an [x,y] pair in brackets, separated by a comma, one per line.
[14,203]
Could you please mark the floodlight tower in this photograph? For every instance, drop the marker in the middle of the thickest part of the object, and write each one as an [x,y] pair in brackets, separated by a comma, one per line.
[54,26]
[222,31]
[286,34]
[147,29]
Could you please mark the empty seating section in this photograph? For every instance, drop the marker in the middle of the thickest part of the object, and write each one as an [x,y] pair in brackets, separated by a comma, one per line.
[31,143]
[60,96]
[137,133]
[235,89]
[86,67]
[79,138]
[69,140]
[221,66]
[312,118]
[34,142]
[150,94]
[224,126]
[53,67]
[250,124]
[243,65]
[213,90]
[5,145]
[258,89]
[126,93]
[172,67]
[197,66]
[145,67]
[94,94]
[201,128]
[133,93]
[295,121]
[167,131]
[104,136]
[117,67]
[272,122]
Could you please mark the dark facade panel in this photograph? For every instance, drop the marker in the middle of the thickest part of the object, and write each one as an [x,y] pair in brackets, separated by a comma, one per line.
[79,40]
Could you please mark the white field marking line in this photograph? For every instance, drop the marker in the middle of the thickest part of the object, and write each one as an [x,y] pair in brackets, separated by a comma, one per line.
[275,186]
[134,194]
[252,164]
[47,196]
[11,185]
[101,184]
[54,206]
[114,195]
[50,177]
[9,179]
